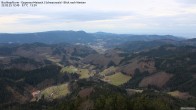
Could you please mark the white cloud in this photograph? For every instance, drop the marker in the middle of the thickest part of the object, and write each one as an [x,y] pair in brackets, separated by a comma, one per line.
[12,19]
[127,16]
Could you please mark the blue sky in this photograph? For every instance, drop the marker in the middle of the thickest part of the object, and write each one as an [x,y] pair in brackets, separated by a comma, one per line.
[176,17]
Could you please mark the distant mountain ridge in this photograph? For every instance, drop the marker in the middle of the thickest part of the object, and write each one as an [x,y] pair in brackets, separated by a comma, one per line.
[51,37]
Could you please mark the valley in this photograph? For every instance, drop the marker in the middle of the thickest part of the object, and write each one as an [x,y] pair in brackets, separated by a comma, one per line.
[77,70]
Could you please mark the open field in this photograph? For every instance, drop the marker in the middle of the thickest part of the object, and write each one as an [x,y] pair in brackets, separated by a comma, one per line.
[117,79]
[55,60]
[69,69]
[55,92]
[178,94]
[109,70]
[84,73]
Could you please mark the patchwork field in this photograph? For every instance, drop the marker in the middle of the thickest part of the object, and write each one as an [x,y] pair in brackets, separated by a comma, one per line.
[55,60]
[108,71]
[69,69]
[181,95]
[55,92]
[117,79]
[84,73]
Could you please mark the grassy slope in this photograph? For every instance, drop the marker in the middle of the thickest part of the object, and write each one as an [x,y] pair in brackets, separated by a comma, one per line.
[84,73]
[108,70]
[55,92]
[117,79]
[69,69]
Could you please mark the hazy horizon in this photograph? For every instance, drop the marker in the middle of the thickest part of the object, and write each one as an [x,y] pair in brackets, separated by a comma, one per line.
[92,33]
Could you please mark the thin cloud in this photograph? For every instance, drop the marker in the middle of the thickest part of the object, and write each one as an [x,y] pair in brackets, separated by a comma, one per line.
[187,1]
